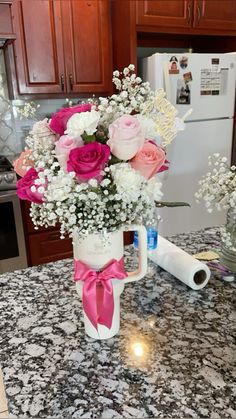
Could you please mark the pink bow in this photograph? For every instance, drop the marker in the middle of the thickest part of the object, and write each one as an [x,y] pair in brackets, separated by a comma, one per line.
[98,301]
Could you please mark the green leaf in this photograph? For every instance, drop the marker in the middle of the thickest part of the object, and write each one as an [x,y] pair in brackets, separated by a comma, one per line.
[101,134]
[161,204]
[88,138]
[114,160]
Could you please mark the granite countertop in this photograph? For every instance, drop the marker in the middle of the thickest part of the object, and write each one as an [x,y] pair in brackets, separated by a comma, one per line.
[175,355]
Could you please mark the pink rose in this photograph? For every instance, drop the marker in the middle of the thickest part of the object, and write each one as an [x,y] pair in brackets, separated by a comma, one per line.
[148,160]
[23,163]
[60,118]
[63,147]
[126,137]
[24,187]
[88,161]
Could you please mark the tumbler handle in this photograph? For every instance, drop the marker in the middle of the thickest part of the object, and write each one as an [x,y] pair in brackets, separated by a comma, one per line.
[142,251]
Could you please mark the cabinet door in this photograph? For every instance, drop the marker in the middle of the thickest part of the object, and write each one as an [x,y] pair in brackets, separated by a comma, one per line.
[215,16]
[39,46]
[164,13]
[87,37]
[6,20]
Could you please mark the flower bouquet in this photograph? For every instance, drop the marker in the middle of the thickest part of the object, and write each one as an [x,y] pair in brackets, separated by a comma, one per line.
[93,168]
[218,190]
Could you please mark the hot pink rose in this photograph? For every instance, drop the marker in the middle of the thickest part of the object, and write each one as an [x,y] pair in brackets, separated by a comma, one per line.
[88,161]
[63,148]
[148,160]
[60,118]
[126,137]
[24,187]
[23,163]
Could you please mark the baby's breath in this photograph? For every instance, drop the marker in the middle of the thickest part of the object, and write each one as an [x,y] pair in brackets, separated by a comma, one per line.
[119,194]
[218,187]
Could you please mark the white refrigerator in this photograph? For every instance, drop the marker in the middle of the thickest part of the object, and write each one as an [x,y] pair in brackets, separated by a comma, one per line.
[204,83]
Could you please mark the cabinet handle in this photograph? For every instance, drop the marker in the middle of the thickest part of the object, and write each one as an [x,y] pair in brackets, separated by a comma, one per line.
[62,83]
[199,15]
[189,18]
[71,81]
[54,236]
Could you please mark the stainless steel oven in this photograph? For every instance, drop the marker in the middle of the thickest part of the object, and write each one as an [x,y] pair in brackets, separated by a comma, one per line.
[12,241]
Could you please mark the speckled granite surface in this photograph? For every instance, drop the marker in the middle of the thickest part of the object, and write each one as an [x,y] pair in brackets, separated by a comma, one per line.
[175,355]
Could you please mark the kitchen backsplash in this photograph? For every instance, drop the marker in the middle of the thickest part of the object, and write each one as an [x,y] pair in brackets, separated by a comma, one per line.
[9,143]
[13,128]
[46,108]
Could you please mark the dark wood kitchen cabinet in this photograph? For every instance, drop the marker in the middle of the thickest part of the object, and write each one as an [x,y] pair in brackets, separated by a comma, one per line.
[47,246]
[62,46]
[43,245]
[164,13]
[215,15]
[6,28]
[210,17]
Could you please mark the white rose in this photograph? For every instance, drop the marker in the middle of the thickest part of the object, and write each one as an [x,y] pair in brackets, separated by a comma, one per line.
[82,122]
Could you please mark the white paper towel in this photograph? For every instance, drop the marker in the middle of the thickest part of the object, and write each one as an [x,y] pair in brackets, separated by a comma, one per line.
[183,266]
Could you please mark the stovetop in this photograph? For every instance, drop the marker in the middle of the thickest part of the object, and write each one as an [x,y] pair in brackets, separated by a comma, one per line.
[8,176]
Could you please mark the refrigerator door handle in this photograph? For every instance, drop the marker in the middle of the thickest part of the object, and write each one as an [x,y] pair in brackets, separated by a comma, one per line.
[167,83]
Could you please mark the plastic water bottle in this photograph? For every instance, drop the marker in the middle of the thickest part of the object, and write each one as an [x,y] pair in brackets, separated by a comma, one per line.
[136,240]
[152,240]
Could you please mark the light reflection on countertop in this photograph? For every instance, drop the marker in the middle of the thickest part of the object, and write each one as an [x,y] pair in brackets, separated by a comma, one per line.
[140,344]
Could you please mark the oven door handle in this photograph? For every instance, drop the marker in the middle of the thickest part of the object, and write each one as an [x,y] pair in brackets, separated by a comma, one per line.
[9,194]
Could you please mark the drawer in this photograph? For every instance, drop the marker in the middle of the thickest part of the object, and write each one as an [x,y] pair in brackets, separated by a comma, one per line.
[47,246]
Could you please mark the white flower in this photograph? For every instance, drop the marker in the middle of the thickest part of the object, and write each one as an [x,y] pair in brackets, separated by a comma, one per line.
[82,122]
[126,71]
[217,188]
[105,182]
[41,129]
[93,182]
[92,195]
[59,188]
[153,189]
[131,67]
[148,126]
[128,181]
[124,94]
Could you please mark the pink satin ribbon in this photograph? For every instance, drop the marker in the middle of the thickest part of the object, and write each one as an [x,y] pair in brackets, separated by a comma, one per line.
[98,300]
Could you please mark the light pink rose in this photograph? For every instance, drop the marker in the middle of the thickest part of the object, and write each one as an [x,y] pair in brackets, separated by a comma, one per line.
[24,187]
[126,137]
[23,163]
[63,148]
[42,130]
[88,161]
[148,160]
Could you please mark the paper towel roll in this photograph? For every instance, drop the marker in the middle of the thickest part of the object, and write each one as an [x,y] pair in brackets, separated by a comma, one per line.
[183,266]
